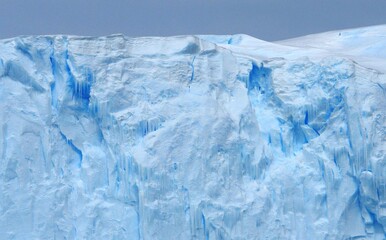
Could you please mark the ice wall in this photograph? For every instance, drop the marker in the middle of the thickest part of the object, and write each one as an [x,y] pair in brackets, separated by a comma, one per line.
[206,137]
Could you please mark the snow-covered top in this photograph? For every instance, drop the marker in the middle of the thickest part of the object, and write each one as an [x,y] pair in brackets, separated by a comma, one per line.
[365,45]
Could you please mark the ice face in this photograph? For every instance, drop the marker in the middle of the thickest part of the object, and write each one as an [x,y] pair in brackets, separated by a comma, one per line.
[195,137]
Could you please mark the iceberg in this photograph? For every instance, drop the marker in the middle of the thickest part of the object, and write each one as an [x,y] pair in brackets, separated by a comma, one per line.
[193,137]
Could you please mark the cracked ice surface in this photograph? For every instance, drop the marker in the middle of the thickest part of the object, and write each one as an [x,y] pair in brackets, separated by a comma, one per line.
[193,137]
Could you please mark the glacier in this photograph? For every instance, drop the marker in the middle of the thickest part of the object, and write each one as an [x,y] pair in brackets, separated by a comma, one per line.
[193,137]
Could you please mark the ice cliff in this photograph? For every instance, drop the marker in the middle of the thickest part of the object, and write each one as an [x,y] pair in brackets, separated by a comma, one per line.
[193,137]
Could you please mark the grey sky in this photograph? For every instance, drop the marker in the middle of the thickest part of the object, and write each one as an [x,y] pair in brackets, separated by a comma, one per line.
[264,19]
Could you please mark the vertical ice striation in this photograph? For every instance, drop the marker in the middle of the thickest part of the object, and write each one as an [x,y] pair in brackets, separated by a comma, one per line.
[191,137]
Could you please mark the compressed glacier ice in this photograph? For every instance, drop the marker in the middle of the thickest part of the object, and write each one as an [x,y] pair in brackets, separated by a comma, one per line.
[193,137]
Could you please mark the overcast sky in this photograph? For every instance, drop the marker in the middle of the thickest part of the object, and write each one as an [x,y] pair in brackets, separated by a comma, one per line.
[264,19]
